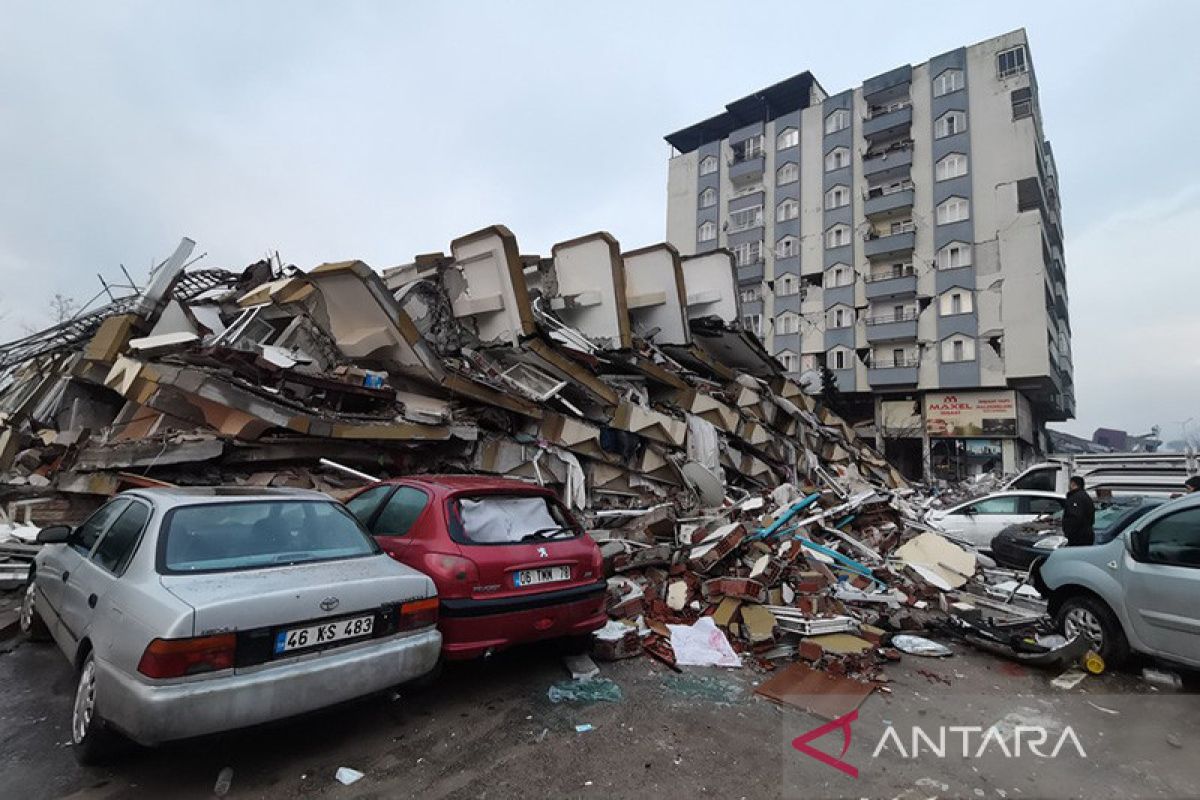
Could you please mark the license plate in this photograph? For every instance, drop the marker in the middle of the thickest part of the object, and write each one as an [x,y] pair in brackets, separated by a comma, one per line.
[531,577]
[315,635]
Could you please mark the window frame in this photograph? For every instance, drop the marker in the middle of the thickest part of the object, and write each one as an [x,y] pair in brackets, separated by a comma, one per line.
[123,565]
[837,120]
[948,81]
[1143,539]
[942,167]
[707,193]
[841,151]
[794,248]
[834,192]
[708,224]
[963,340]
[1019,66]
[946,248]
[955,201]
[787,204]
[709,159]
[795,168]
[787,138]
[941,123]
[844,239]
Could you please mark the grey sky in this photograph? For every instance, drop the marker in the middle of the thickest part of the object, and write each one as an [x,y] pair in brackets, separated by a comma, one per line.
[382,130]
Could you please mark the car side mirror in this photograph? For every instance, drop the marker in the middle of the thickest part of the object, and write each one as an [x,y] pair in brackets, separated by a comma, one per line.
[1132,543]
[55,534]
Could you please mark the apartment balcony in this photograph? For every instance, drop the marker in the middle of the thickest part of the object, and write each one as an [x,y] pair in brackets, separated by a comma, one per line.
[887,123]
[750,273]
[881,203]
[745,171]
[892,164]
[891,245]
[892,327]
[893,373]
[896,283]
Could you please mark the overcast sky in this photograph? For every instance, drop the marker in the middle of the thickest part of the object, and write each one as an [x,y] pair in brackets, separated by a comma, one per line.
[380,130]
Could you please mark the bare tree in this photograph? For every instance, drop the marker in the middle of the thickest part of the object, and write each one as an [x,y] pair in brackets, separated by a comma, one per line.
[63,308]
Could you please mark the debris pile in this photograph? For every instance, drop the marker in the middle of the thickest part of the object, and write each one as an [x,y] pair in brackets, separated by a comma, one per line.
[624,380]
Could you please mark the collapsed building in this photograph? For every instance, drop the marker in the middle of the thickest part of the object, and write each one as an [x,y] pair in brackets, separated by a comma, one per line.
[622,379]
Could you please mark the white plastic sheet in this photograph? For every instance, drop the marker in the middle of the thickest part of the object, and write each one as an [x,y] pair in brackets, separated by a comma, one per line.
[702,645]
[498,520]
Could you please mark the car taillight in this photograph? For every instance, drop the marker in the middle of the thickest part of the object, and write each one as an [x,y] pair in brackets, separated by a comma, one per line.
[418,614]
[174,658]
[454,576]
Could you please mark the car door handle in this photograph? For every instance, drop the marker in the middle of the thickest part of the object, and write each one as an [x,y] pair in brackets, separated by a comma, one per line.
[92,600]
[65,576]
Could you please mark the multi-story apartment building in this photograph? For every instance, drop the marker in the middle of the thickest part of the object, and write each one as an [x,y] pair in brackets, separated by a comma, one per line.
[906,234]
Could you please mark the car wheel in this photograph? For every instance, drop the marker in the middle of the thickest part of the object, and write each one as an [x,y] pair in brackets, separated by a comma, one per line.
[32,624]
[93,741]
[1087,616]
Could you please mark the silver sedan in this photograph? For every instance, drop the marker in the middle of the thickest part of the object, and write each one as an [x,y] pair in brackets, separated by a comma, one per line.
[192,611]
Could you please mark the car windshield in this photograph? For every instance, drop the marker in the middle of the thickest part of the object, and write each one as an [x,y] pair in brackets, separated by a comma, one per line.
[217,537]
[508,519]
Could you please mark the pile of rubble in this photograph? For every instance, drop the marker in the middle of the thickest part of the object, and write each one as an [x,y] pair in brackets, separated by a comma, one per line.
[624,380]
[824,586]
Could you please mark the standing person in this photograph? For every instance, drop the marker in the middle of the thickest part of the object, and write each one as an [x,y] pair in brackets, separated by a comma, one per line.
[1079,516]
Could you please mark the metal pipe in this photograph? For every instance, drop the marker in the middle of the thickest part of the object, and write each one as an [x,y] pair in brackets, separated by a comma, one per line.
[325,462]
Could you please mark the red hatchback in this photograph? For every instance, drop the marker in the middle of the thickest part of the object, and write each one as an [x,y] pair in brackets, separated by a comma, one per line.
[510,563]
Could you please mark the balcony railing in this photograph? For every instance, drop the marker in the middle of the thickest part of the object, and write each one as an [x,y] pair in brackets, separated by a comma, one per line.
[903,271]
[880,110]
[885,319]
[901,363]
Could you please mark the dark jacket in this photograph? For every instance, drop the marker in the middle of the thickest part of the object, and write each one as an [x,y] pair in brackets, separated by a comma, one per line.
[1079,518]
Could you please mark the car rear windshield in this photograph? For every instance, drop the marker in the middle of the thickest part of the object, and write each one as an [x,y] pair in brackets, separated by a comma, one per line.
[219,537]
[508,519]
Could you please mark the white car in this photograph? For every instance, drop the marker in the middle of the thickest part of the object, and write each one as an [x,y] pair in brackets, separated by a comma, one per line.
[978,521]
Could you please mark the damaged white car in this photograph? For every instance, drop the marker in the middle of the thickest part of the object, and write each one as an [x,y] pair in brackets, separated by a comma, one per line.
[192,611]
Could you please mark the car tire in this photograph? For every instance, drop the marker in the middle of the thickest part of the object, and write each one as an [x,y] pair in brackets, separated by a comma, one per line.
[92,740]
[1090,616]
[32,624]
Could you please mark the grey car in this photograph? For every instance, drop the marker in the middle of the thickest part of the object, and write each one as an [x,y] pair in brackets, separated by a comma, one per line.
[192,611]
[1138,592]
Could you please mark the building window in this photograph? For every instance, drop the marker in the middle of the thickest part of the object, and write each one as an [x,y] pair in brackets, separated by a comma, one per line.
[947,81]
[707,231]
[789,360]
[745,218]
[952,166]
[1022,103]
[837,236]
[955,301]
[1012,62]
[788,323]
[787,247]
[708,165]
[840,317]
[953,209]
[788,173]
[708,198]
[751,295]
[787,209]
[747,253]
[837,120]
[839,275]
[950,123]
[958,348]
[954,255]
[837,197]
[837,158]
[789,137]
[787,285]
[750,148]
[839,359]
[753,323]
